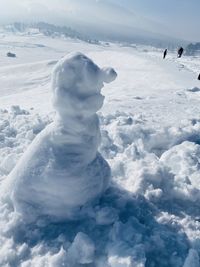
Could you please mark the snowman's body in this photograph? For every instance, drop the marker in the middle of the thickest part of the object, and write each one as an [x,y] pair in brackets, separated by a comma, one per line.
[62,170]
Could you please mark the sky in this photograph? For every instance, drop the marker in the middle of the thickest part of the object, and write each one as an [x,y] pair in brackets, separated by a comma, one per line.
[175,18]
[180,17]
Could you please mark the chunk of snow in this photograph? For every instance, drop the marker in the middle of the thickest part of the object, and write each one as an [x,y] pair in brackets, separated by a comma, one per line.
[106,216]
[16,110]
[194,90]
[115,261]
[192,259]
[82,249]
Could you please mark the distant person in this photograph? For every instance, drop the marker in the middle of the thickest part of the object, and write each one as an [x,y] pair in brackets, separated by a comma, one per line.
[165,53]
[198,77]
[180,52]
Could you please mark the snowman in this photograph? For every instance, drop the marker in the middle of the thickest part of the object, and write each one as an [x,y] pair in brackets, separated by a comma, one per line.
[62,170]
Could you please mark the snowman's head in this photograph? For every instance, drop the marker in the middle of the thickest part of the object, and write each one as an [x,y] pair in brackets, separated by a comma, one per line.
[77,82]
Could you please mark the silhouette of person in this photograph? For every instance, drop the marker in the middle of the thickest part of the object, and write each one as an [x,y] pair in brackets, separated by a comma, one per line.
[198,77]
[165,53]
[180,52]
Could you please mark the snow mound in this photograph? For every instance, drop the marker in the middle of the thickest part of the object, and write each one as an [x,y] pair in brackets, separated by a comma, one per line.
[18,128]
[194,90]
[184,162]
[145,218]
[62,171]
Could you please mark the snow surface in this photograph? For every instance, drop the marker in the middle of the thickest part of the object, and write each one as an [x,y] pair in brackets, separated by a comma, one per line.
[150,128]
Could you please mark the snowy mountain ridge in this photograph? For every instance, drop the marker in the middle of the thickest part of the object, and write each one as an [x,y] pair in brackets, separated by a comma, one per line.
[95,36]
[48,30]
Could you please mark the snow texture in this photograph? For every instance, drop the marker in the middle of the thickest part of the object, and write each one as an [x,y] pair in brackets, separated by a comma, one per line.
[139,225]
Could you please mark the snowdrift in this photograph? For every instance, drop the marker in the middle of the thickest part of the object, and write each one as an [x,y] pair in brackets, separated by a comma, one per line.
[149,215]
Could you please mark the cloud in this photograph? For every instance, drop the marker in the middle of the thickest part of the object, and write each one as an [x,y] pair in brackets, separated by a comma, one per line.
[109,16]
[29,10]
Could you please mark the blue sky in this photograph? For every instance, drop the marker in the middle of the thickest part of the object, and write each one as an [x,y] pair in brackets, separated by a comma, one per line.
[176,18]
[180,17]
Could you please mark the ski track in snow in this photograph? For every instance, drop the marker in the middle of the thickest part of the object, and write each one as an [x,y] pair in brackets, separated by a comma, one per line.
[150,127]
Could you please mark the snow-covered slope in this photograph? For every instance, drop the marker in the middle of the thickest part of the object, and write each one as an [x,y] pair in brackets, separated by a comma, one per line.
[150,127]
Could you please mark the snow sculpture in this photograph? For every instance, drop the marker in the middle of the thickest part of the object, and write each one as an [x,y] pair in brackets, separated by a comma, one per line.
[62,170]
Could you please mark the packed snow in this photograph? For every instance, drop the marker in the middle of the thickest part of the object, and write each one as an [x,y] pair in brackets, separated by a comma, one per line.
[150,137]
[61,168]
